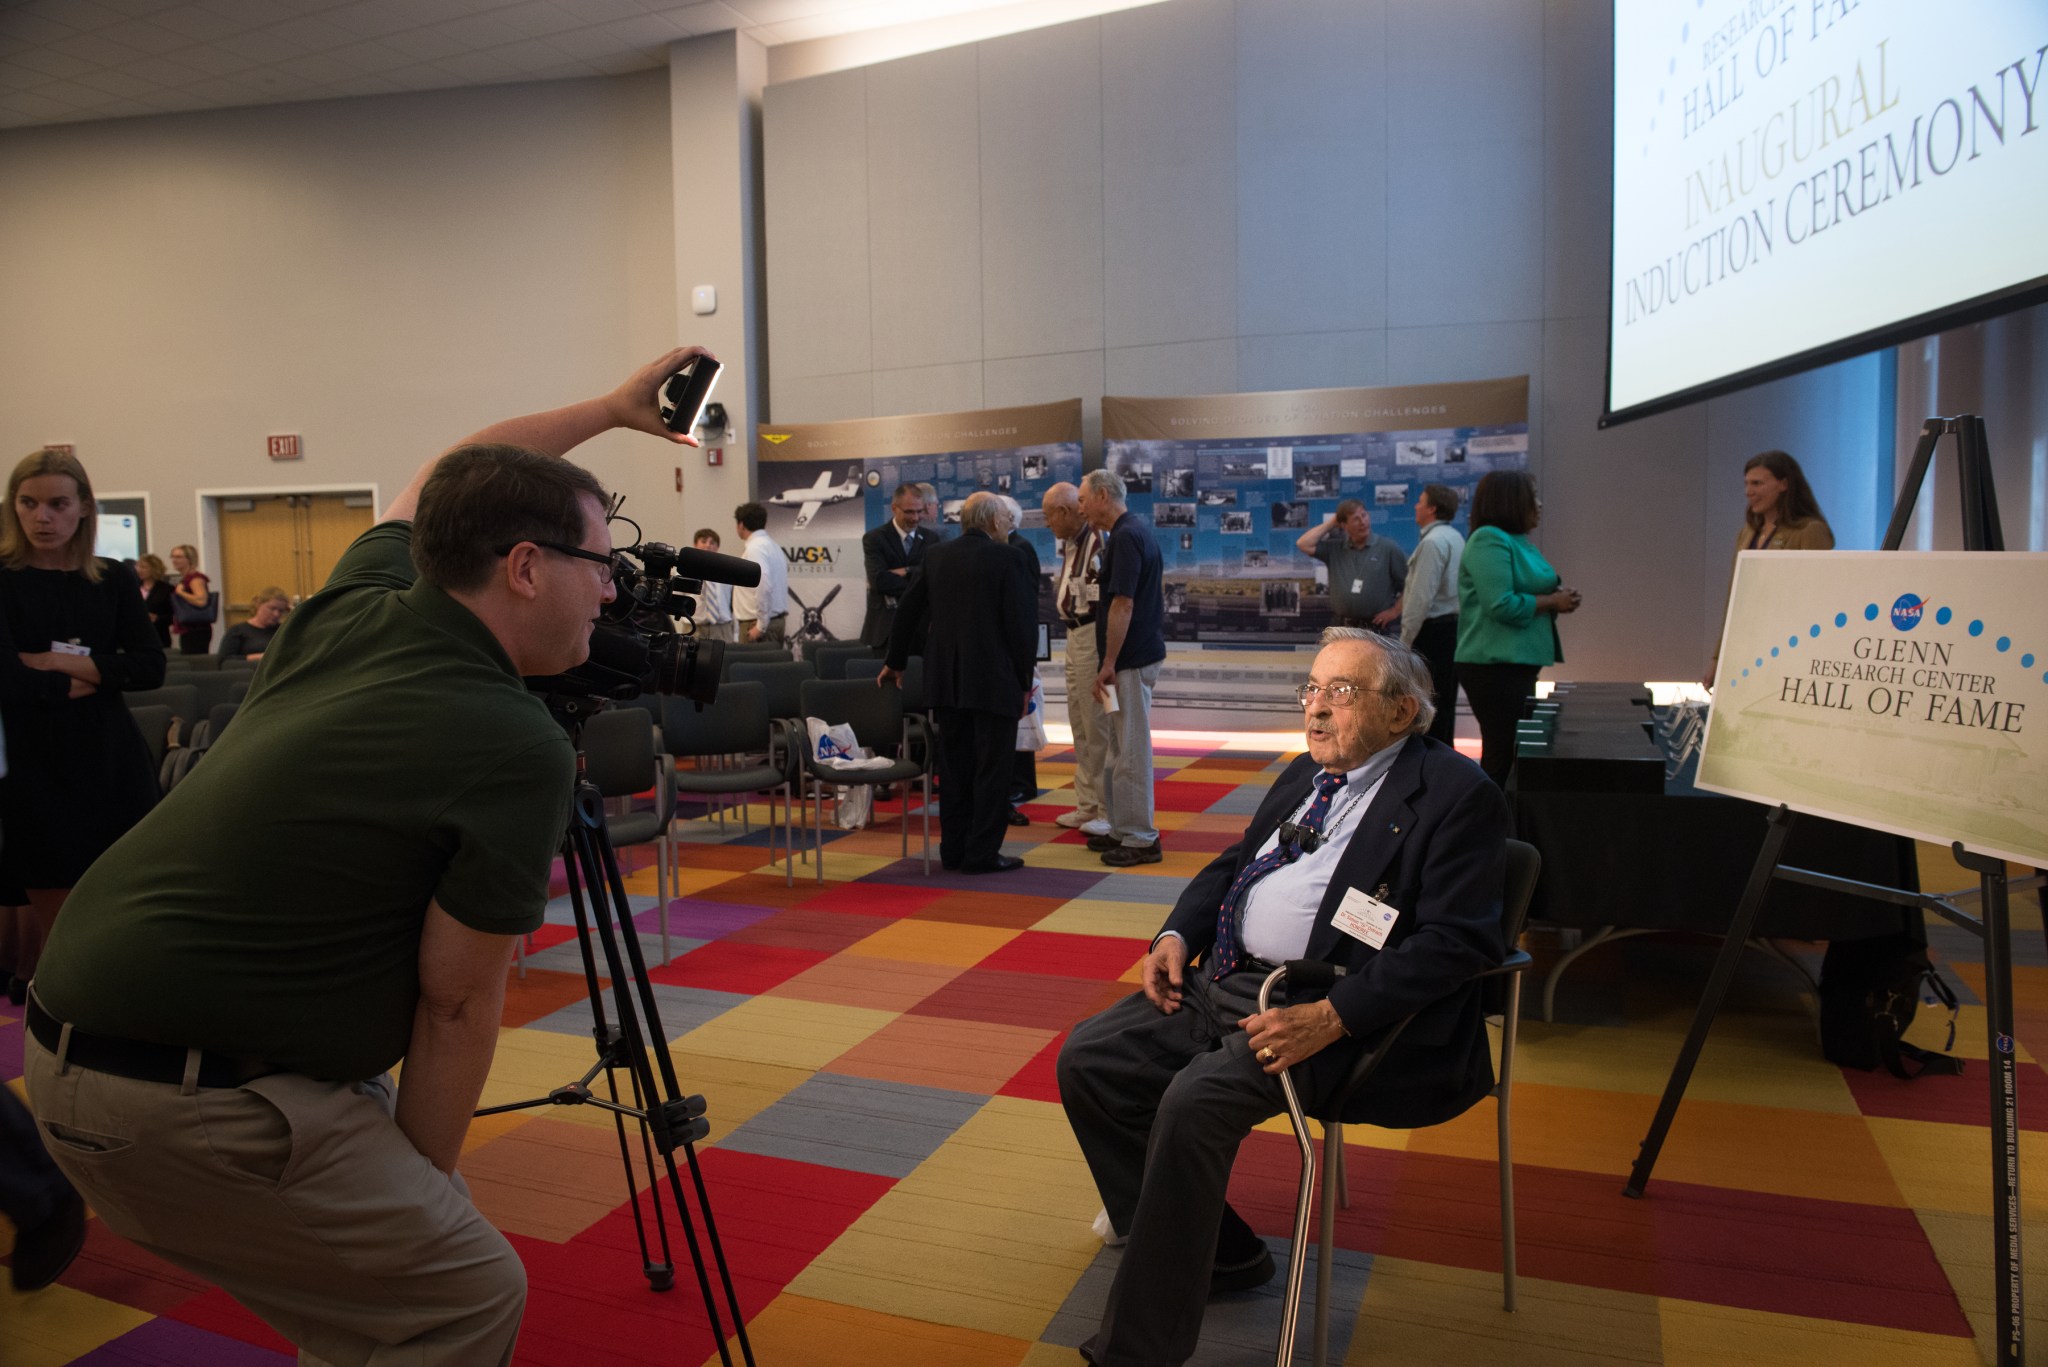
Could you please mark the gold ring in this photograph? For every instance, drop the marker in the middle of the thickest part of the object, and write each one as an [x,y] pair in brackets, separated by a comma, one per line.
[1266,1054]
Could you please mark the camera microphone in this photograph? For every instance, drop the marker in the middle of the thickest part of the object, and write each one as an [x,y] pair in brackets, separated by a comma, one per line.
[692,563]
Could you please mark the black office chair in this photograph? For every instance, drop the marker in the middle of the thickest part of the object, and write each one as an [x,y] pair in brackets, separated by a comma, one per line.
[752,652]
[736,721]
[1523,865]
[829,656]
[851,664]
[183,760]
[153,720]
[878,720]
[783,680]
[177,662]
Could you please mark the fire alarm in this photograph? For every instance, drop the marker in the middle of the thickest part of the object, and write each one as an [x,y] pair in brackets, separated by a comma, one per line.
[714,455]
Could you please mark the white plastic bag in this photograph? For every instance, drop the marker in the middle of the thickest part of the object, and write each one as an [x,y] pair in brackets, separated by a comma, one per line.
[835,747]
[1031,727]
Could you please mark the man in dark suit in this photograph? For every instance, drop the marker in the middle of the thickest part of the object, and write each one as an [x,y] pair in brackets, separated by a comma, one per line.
[971,614]
[1381,850]
[892,554]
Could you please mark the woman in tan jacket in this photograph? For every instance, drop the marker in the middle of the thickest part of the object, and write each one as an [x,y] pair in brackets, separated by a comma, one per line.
[1782,515]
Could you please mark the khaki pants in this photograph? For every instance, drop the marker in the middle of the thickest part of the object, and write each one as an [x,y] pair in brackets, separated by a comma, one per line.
[1091,725]
[302,1199]
[771,630]
[1130,757]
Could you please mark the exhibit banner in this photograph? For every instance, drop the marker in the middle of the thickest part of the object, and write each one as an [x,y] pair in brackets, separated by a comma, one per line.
[1903,691]
[825,484]
[1231,482]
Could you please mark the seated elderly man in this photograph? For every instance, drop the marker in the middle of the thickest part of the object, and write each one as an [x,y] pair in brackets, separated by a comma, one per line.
[1381,850]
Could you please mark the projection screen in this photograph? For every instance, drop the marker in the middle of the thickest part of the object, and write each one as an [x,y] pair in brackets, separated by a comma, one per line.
[1798,181]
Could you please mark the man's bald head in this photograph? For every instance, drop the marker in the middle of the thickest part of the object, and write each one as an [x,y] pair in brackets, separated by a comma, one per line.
[1062,505]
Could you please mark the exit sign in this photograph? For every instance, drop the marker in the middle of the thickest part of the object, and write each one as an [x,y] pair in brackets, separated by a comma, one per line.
[285,447]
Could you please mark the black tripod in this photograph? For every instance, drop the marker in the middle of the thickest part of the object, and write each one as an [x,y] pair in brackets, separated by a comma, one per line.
[671,1120]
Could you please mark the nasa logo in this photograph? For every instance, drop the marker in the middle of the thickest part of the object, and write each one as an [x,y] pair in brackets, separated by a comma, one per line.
[874,479]
[1906,612]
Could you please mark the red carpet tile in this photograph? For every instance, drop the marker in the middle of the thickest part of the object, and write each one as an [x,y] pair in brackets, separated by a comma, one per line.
[1958,1099]
[727,967]
[115,1270]
[808,929]
[760,890]
[1038,1080]
[541,993]
[218,1312]
[871,899]
[1007,911]
[1178,796]
[1043,951]
[1006,998]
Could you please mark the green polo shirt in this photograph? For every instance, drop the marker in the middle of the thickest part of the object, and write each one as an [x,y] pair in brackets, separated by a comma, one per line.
[270,907]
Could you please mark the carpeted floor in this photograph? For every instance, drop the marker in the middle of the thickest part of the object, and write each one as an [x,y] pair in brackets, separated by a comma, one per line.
[895,1182]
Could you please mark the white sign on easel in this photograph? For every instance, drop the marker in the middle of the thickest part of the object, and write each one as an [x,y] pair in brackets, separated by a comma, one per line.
[1902,691]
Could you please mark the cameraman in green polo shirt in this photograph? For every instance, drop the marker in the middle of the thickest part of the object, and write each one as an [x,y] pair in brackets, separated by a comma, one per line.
[340,885]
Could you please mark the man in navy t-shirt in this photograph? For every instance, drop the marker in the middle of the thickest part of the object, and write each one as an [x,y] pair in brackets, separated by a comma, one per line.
[1130,629]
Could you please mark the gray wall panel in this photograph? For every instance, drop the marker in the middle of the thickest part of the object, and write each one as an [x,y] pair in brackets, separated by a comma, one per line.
[1578,66]
[1169,154]
[1465,232]
[1620,520]
[1313,360]
[924,209]
[1311,166]
[952,388]
[1464,69]
[822,398]
[1021,380]
[1175,368]
[1041,191]
[815,185]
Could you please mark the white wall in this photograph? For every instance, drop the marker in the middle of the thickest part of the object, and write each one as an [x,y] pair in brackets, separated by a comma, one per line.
[1218,195]
[382,275]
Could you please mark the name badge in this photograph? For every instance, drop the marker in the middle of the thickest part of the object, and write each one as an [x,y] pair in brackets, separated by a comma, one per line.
[1365,917]
[69,648]
[1091,593]
[1358,586]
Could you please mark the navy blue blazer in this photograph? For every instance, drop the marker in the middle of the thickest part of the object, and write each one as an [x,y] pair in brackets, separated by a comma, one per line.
[1433,844]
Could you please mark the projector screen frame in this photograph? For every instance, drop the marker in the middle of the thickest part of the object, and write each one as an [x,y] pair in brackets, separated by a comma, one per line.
[1963,313]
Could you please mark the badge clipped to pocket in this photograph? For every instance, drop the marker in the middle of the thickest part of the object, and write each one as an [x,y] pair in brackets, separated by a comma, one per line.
[1365,917]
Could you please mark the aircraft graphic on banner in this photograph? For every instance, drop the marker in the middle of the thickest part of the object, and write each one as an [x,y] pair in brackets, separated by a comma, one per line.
[807,501]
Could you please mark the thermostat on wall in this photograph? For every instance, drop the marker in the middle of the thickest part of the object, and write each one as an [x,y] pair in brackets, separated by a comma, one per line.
[704,299]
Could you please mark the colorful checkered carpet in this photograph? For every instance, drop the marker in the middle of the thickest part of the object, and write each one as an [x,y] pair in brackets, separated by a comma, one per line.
[895,1182]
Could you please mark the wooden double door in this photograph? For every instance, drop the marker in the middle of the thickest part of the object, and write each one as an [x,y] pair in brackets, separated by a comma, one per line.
[290,541]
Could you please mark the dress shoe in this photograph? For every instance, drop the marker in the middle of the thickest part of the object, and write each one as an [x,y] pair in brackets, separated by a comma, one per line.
[1123,856]
[1002,863]
[42,1252]
[17,990]
[1250,1274]
[1104,843]
[1017,818]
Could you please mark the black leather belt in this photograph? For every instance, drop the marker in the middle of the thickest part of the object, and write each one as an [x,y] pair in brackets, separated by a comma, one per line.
[1077,623]
[134,1059]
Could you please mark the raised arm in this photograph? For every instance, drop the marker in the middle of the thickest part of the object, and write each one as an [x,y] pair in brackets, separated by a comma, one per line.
[1307,542]
[633,404]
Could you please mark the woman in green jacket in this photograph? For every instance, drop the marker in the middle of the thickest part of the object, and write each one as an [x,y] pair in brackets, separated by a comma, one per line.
[1509,600]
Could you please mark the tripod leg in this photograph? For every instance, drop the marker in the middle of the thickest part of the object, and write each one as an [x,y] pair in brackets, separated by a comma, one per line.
[2007,1289]
[1909,490]
[1710,1003]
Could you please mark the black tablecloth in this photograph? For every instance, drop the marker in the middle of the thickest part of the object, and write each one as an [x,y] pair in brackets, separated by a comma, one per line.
[1622,848]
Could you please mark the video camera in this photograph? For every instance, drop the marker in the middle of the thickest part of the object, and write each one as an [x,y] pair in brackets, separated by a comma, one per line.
[635,647]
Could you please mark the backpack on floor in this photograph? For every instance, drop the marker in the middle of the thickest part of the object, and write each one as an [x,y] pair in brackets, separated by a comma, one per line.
[1870,991]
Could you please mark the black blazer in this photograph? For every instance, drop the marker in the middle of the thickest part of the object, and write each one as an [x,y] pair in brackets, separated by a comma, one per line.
[970,613]
[1435,839]
[890,566]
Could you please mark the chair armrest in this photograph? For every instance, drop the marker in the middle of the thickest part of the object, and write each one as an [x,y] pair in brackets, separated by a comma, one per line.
[1517,962]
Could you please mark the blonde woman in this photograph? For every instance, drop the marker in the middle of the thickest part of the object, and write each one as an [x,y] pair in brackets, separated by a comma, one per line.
[73,635]
[156,596]
[195,591]
[248,640]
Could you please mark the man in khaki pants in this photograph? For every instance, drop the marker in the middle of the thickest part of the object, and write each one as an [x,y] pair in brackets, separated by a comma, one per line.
[213,1023]
[1076,598]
